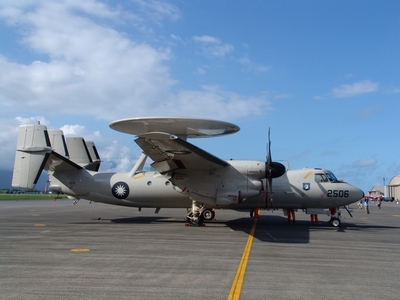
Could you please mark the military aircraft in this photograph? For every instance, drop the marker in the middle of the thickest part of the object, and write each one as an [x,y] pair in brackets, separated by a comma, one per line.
[183,176]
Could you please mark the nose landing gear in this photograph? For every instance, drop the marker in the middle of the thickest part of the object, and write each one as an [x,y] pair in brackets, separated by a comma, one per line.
[335,217]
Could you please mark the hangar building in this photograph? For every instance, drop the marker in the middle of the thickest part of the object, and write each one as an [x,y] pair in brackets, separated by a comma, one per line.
[394,188]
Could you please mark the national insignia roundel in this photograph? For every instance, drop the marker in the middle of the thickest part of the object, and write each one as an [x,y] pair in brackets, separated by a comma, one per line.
[120,190]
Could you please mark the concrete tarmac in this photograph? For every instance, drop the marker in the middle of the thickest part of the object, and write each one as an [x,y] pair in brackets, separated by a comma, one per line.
[97,251]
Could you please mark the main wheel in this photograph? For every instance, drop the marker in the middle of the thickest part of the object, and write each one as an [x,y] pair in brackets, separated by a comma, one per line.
[194,221]
[335,222]
[208,214]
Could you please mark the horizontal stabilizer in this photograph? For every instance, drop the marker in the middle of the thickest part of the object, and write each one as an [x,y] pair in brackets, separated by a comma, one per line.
[57,162]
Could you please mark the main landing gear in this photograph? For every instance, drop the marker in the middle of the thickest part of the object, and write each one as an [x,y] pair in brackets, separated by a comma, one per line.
[208,214]
[195,216]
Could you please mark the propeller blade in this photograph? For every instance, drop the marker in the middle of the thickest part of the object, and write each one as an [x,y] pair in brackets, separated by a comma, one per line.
[268,169]
[272,169]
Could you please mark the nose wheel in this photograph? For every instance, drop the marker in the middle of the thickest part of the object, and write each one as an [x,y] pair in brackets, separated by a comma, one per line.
[335,222]
[336,217]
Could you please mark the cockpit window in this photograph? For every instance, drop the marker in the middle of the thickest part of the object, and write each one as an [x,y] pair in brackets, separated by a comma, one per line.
[331,177]
[319,177]
[325,177]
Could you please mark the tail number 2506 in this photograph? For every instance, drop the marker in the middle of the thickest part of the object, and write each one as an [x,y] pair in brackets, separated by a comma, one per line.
[338,193]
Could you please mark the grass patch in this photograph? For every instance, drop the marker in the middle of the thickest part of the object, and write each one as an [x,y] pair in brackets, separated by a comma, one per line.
[30,196]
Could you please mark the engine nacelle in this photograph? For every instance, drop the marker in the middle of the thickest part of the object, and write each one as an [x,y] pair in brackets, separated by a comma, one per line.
[179,179]
[228,197]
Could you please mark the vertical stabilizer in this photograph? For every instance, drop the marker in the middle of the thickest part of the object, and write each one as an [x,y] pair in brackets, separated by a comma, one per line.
[94,155]
[83,153]
[78,152]
[33,149]
[57,142]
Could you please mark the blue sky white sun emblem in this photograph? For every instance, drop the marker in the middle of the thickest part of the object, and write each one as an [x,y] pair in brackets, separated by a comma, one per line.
[120,190]
[306,186]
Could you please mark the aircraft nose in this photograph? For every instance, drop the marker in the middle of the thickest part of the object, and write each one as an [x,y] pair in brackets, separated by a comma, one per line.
[357,194]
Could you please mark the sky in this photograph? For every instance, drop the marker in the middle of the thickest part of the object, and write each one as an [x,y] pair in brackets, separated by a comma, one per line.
[324,76]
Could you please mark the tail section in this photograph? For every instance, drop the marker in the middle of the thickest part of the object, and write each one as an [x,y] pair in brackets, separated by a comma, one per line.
[94,155]
[83,153]
[57,142]
[39,148]
[33,149]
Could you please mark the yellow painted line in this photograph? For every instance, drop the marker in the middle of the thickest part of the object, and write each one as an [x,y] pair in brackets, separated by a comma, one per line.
[396,215]
[80,250]
[237,284]
[40,225]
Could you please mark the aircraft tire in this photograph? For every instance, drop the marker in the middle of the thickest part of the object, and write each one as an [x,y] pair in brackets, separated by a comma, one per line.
[195,222]
[335,222]
[208,214]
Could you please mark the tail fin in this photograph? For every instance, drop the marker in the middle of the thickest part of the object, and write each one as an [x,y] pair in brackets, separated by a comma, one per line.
[33,149]
[39,148]
[94,156]
[83,153]
[57,142]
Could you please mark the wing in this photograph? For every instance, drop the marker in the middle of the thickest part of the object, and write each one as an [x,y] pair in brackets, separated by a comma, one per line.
[170,153]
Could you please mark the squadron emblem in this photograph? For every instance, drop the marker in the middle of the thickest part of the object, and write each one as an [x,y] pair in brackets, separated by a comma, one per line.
[306,186]
[120,190]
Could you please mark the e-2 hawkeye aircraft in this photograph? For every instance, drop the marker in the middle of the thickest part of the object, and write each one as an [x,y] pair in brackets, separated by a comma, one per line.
[185,176]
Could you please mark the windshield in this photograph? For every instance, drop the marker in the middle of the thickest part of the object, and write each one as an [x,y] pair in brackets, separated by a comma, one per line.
[325,177]
[331,177]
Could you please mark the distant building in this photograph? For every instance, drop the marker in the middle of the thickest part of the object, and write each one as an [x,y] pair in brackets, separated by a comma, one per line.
[393,188]
[377,191]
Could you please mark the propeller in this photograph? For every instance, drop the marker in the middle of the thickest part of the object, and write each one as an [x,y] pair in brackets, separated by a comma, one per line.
[272,169]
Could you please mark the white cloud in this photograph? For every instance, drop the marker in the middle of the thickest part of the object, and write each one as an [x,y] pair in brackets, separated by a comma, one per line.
[283,96]
[394,90]
[355,89]
[368,111]
[251,66]
[158,10]
[365,163]
[78,63]
[93,69]
[215,102]
[206,39]
[115,157]
[32,120]
[212,46]
[77,130]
